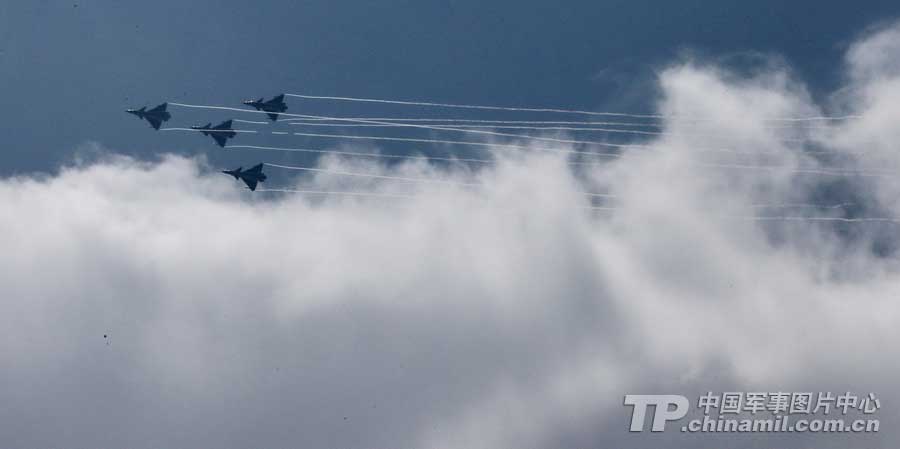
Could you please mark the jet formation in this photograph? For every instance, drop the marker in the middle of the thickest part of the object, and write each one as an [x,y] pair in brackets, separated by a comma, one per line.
[220,133]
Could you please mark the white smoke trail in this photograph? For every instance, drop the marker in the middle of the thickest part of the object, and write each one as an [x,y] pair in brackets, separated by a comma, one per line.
[251,122]
[861,173]
[404,179]
[345,193]
[248,131]
[802,206]
[511,122]
[553,110]
[472,131]
[837,219]
[455,142]
[547,122]
[358,154]
[604,208]
[550,128]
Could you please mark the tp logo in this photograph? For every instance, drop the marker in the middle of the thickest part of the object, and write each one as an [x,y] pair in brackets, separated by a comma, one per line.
[662,403]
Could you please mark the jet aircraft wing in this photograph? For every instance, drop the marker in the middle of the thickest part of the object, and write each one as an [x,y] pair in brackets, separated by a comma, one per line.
[219,138]
[154,122]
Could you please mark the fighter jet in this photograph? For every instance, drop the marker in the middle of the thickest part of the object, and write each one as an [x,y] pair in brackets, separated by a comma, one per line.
[273,106]
[155,116]
[220,133]
[250,177]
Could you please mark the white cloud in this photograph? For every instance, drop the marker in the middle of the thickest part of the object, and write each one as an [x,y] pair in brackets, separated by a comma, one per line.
[500,316]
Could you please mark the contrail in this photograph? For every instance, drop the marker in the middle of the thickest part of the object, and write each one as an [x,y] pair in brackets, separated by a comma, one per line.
[595,154]
[625,146]
[547,128]
[405,179]
[499,134]
[824,172]
[249,131]
[352,153]
[602,208]
[370,175]
[472,131]
[838,219]
[328,192]
[250,121]
[407,125]
[802,205]
[226,108]
[454,142]
[553,110]
[544,122]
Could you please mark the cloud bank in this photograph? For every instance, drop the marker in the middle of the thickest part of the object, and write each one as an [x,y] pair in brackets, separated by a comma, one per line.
[505,315]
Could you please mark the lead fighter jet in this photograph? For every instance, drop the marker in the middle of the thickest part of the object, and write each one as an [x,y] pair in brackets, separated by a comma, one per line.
[250,177]
[273,106]
[155,116]
[220,133]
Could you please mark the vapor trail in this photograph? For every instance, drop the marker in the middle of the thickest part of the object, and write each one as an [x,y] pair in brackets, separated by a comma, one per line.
[595,154]
[249,131]
[554,110]
[455,142]
[541,122]
[352,153]
[802,206]
[375,176]
[471,131]
[327,192]
[405,179]
[603,208]
[838,219]
[250,121]
[545,128]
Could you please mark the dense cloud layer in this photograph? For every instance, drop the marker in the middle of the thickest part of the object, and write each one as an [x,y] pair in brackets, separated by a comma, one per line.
[505,315]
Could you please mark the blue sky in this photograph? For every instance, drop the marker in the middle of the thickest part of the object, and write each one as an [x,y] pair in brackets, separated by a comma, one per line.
[70,68]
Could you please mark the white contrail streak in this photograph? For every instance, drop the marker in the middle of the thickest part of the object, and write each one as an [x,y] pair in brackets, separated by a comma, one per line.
[838,219]
[469,106]
[802,206]
[251,122]
[455,142]
[471,131]
[405,179]
[601,208]
[328,192]
[352,153]
[595,154]
[553,110]
[375,176]
[249,131]
[544,122]
[226,108]
[552,128]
